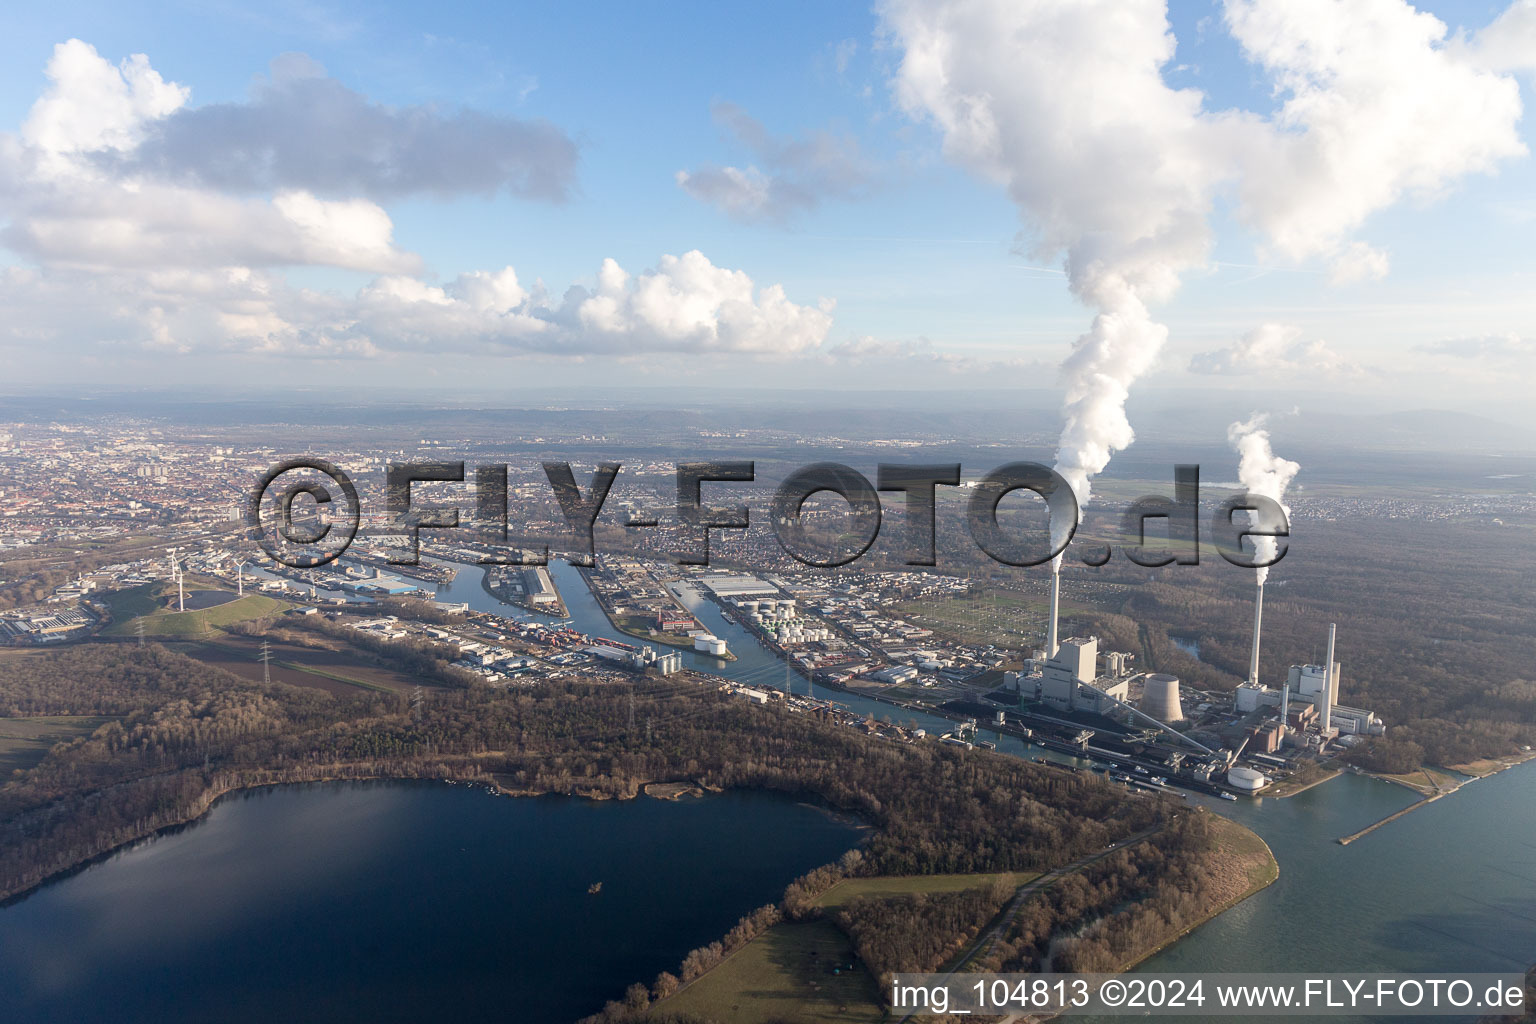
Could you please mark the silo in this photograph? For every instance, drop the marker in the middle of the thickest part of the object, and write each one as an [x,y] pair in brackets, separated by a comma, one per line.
[1160,698]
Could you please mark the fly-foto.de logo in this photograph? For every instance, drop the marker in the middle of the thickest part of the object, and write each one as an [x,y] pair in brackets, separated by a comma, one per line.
[314,540]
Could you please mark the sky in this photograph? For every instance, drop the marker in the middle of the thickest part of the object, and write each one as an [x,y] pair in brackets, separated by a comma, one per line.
[1101,197]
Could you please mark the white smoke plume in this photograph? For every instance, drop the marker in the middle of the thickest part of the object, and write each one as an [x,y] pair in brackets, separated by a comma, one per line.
[1261,472]
[1065,105]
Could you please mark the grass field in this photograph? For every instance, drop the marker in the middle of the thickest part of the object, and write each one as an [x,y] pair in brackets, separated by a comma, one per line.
[158,621]
[330,669]
[26,741]
[904,885]
[1426,780]
[785,974]
[134,602]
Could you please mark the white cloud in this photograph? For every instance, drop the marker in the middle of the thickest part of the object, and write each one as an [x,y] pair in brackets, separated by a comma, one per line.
[65,205]
[1376,106]
[801,172]
[134,209]
[92,106]
[685,305]
[1491,348]
[1274,349]
[1508,43]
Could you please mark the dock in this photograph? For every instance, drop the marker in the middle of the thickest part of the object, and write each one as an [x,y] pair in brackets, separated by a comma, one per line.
[1346,840]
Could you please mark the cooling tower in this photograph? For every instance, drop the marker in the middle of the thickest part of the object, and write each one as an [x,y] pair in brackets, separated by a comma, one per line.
[1160,698]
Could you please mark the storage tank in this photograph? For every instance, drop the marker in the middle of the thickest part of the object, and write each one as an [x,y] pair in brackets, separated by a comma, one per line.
[709,644]
[1247,779]
[1160,698]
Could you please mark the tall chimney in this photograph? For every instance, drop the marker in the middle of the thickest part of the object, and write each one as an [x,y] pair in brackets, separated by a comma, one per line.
[1330,680]
[1050,636]
[1258,615]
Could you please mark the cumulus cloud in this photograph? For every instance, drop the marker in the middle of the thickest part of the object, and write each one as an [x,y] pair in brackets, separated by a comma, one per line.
[65,205]
[1489,348]
[1508,43]
[685,304]
[1271,349]
[303,130]
[799,174]
[1376,106]
[159,226]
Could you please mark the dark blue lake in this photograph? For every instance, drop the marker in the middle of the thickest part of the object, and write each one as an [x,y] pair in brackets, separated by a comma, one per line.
[401,901]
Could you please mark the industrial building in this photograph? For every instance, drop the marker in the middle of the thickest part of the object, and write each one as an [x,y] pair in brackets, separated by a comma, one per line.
[538,588]
[1097,704]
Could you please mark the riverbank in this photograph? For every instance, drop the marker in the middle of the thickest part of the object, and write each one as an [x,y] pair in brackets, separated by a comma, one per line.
[1484,767]
[198,806]
[1437,783]
[1293,786]
[1246,866]
[650,636]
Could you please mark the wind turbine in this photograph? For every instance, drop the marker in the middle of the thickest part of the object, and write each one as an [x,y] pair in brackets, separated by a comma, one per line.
[240,579]
[181,597]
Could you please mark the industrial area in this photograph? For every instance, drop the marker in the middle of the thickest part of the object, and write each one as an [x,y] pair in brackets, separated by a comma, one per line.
[1073,697]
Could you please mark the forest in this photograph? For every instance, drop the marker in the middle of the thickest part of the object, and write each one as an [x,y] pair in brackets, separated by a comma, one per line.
[184,733]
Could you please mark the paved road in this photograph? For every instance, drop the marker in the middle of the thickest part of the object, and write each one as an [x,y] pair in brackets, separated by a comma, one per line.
[1010,913]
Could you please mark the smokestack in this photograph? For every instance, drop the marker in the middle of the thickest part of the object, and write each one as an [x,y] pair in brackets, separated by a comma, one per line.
[1330,680]
[1258,615]
[1050,636]
[1285,703]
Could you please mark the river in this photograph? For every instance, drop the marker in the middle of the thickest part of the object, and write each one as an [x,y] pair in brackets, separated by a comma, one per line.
[415,884]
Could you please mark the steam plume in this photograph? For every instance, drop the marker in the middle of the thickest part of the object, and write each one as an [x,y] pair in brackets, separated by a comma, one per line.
[1065,105]
[1261,472]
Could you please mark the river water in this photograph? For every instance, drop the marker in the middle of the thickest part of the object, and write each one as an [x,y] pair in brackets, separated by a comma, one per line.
[277,893]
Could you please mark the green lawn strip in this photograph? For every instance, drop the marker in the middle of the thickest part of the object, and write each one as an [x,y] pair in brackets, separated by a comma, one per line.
[786,973]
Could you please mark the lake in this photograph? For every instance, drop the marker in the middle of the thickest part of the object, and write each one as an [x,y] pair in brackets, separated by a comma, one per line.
[401,901]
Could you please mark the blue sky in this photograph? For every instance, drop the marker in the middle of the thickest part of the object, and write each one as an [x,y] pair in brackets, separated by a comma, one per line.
[923,259]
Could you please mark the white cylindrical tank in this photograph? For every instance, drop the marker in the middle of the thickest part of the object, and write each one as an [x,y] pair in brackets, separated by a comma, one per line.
[709,644]
[1160,698]
[1247,778]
